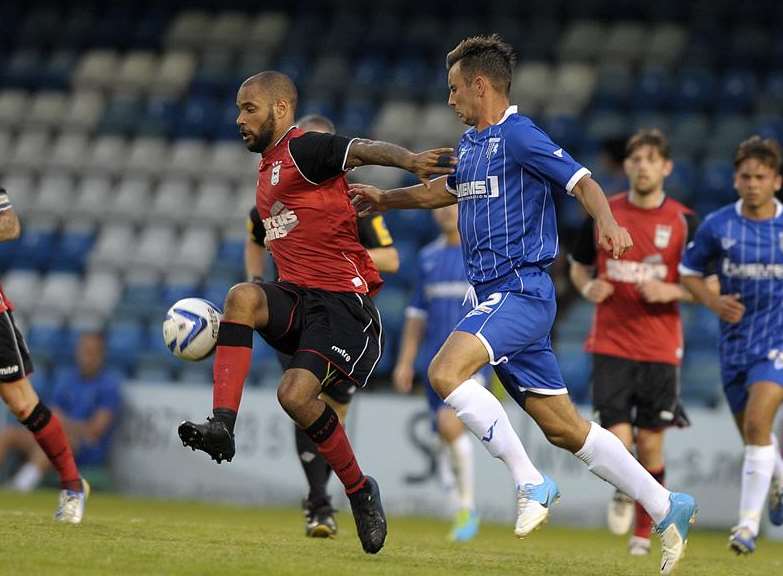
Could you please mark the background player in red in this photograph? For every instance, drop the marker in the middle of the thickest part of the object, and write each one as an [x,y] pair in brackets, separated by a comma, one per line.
[375,236]
[319,311]
[20,396]
[636,338]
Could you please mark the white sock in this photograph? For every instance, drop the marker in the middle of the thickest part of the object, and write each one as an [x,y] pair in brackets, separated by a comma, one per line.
[757,470]
[778,472]
[607,458]
[483,415]
[461,452]
[27,478]
[446,476]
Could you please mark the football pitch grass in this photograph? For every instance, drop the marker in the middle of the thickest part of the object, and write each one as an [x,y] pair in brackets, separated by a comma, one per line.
[131,536]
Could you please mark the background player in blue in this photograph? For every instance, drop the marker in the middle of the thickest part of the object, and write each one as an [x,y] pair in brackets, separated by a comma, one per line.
[437,305]
[507,173]
[745,239]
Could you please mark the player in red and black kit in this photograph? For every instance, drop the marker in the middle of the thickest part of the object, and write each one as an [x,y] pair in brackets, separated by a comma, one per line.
[636,338]
[20,396]
[373,235]
[319,311]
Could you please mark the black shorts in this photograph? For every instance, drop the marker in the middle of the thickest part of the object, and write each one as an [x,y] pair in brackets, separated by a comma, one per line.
[645,394]
[337,336]
[15,361]
[341,391]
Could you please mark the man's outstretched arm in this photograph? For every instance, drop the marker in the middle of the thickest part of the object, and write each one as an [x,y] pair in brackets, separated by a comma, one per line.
[369,199]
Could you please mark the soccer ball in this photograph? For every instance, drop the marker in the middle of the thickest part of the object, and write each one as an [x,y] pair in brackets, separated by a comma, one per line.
[190,329]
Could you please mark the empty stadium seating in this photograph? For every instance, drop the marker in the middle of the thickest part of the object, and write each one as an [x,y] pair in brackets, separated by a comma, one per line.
[119,148]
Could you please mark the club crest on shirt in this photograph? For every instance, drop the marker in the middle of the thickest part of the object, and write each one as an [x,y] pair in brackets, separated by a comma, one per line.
[727,243]
[663,234]
[492,147]
[276,172]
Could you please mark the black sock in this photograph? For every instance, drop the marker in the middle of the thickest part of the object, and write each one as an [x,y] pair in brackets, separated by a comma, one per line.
[316,469]
[226,416]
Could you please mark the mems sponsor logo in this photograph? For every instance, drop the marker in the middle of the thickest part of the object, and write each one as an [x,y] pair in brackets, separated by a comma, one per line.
[479,188]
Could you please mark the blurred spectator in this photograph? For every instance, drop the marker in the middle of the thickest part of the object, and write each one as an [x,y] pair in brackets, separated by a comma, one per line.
[86,398]
[613,178]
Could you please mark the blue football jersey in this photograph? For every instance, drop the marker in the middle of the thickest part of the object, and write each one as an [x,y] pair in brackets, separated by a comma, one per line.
[749,258]
[440,294]
[505,182]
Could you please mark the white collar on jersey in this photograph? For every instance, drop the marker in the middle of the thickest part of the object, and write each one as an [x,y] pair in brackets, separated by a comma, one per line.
[473,133]
[778,207]
[284,135]
[509,111]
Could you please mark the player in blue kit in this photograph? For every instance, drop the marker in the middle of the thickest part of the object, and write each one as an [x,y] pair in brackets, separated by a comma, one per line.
[438,303]
[507,174]
[745,239]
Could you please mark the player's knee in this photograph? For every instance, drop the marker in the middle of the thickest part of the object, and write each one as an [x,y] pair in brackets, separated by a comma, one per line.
[20,398]
[755,432]
[244,301]
[21,408]
[443,378]
[565,435]
[290,396]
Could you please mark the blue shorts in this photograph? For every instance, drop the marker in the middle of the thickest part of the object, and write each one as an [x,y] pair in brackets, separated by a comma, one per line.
[513,320]
[737,379]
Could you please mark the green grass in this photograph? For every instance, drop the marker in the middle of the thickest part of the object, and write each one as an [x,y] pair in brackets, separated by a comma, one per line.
[126,536]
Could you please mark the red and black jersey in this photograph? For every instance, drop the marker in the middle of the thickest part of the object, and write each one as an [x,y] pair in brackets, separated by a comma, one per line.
[309,223]
[373,232]
[625,325]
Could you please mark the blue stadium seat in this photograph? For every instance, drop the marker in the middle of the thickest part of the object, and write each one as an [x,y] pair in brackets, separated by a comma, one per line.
[356,118]
[121,115]
[23,70]
[565,130]
[139,300]
[229,262]
[197,118]
[161,116]
[71,251]
[694,91]
[653,90]
[682,183]
[717,181]
[737,93]
[174,292]
[35,249]
[408,79]
[44,338]
[57,72]
[65,351]
[368,76]
[214,75]
[215,291]
[124,342]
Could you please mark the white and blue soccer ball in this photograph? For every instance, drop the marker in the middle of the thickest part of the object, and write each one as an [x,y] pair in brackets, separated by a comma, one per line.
[190,329]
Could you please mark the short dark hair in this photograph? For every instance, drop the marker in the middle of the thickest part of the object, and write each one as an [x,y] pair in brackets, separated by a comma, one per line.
[649,137]
[318,120]
[277,85]
[765,150]
[489,55]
